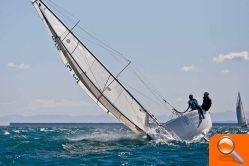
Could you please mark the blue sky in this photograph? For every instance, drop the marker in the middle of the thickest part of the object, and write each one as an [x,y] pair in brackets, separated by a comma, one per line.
[181,47]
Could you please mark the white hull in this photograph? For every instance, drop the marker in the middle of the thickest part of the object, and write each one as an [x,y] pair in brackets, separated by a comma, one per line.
[106,90]
[190,125]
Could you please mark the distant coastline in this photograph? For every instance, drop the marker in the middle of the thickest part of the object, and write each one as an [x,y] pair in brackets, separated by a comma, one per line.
[217,117]
[86,124]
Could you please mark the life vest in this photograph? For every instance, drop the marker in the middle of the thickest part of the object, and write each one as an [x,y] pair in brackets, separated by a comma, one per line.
[207,102]
[193,104]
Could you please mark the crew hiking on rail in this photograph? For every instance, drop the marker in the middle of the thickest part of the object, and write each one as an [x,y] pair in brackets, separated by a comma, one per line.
[193,104]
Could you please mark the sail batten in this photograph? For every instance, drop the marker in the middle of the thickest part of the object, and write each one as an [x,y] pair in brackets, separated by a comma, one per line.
[76,69]
[90,52]
[93,76]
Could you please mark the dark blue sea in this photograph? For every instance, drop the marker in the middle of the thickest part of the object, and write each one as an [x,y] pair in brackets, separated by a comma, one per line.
[97,144]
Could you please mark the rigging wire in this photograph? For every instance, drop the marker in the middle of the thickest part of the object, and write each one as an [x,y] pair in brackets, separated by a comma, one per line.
[73,19]
[141,93]
[153,91]
[58,8]
[70,17]
[114,53]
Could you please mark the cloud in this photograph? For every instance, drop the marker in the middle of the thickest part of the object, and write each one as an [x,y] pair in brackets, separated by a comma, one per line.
[225,71]
[21,66]
[49,104]
[187,68]
[244,55]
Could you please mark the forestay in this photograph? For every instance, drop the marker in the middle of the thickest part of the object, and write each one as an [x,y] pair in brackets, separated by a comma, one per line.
[92,75]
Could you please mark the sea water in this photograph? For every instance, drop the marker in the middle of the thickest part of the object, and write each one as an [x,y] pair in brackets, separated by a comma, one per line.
[97,144]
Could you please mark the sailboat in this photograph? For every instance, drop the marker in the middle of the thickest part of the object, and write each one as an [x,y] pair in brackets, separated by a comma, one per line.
[108,92]
[240,113]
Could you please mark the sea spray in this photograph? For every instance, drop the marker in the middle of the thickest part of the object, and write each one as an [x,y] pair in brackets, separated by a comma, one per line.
[101,144]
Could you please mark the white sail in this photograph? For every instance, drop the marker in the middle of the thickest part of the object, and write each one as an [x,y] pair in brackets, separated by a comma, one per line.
[92,75]
[240,113]
[106,90]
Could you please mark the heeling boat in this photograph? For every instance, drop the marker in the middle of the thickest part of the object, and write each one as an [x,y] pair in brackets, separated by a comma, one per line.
[240,113]
[107,91]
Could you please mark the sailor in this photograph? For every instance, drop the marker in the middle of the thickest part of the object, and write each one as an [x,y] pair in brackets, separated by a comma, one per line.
[193,104]
[207,102]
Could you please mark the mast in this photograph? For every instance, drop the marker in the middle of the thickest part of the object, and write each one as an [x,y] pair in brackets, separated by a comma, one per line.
[131,113]
[93,54]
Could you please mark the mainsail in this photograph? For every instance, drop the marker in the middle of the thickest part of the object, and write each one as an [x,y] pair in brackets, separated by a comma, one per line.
[240,113]
[92,76]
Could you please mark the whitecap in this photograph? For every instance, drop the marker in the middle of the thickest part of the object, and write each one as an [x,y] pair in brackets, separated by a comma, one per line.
[121,154]
[17,131]
[42,129]
[46,130]
[6,133]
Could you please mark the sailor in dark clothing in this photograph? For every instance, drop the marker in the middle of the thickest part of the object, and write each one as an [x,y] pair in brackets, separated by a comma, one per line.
[207,102]
[193,104]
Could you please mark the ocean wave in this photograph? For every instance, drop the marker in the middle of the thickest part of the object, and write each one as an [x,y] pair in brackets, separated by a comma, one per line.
[102,144]
[85,149]
[103,136]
